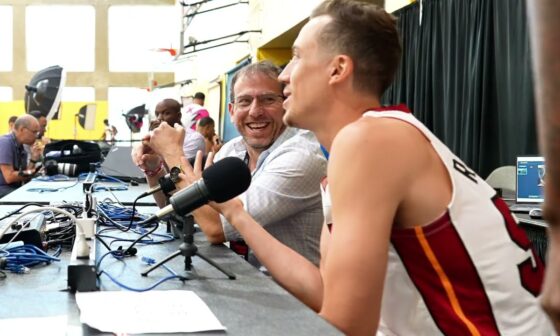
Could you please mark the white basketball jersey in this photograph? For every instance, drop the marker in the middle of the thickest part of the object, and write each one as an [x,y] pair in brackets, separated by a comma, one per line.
[472,271]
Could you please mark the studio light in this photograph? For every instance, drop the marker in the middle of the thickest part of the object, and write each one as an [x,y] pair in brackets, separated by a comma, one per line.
[86,116]
[44,91]
[134,118]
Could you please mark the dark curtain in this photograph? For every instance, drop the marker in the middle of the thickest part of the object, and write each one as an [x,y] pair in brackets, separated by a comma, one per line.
[466,73]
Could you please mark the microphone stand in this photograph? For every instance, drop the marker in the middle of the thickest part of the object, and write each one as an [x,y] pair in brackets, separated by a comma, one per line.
[188,249]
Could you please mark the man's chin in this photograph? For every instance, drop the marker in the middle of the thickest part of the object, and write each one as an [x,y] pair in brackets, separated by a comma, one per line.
[260,144]
[288,120]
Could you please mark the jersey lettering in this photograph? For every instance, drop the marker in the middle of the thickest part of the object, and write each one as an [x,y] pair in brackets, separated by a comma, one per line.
[461,168]
[531,270]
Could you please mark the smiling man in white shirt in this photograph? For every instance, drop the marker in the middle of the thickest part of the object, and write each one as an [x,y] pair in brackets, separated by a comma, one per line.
[287,166]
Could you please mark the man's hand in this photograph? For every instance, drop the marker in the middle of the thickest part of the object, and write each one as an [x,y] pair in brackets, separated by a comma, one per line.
[144,157]
[37,150]
[207,218]
[154,124]
[167,141]
[216,143]
[192,174]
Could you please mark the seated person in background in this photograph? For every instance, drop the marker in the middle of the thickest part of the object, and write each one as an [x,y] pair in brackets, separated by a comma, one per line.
[11,123]
[194,111]
[168,111]
[418,244]
[43,140]
[206,127]
[13,156]
[286,164]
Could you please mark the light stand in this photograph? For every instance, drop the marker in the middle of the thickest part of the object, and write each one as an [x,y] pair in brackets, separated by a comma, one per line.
[188,249]
[76,116]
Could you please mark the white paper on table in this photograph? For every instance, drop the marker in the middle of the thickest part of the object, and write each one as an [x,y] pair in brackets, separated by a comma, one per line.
[45,326]
[147,312]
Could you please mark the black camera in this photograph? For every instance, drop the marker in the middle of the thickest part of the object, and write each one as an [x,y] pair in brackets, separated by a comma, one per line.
[54,168]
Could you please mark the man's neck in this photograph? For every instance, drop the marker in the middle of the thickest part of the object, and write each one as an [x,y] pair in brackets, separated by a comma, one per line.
[16,138]
[253,155]
[340,115]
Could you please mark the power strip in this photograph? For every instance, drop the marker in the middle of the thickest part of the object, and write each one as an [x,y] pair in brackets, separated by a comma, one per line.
[82,272]
[89,181]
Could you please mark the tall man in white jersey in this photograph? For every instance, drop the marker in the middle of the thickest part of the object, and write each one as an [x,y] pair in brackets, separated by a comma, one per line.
[419,244]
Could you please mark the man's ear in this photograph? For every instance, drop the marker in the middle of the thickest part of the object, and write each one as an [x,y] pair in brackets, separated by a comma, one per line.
[230,109]
[341,68]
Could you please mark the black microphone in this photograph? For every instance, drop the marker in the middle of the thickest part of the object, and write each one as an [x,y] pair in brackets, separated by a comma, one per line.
[220,182]
[167,182]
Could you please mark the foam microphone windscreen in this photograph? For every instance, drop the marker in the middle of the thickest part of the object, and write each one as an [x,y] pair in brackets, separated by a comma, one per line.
[226,179]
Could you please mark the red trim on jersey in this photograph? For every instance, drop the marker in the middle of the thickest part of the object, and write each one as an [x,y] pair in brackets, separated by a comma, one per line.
[531,276]
[443,272]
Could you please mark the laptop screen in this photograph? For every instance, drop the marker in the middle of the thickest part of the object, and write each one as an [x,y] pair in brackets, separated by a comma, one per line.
[118,163]
[530,179]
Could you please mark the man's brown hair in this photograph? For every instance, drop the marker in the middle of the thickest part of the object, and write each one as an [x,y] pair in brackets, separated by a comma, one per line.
[266,68]
[367,34]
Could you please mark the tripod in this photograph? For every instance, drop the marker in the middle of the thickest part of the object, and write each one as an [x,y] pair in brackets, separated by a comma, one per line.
[188,249]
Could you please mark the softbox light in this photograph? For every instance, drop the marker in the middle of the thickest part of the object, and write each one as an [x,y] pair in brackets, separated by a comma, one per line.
[134,118]
[86,116]
[44,91]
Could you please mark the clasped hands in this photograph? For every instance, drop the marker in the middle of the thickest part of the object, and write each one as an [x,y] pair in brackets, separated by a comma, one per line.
[158,145]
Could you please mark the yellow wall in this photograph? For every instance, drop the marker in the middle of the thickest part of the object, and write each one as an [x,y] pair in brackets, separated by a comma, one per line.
[393,5]
[8,109]
[66,127]
[278,56]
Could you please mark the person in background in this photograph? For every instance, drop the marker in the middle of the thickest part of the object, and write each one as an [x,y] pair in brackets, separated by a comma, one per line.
[544,29]
[11,123]
[415,243]
[14,166]
[109,132]
[42,122]
[168,111]
[206,127]
[42,139]
[194,111]
[287,166]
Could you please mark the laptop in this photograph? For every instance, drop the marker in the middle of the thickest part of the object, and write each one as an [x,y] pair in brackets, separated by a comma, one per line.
[529,191]
[118,163]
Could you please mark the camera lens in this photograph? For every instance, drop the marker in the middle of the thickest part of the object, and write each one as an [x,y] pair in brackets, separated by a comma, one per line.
[68,169]
[51,168]
[54,168]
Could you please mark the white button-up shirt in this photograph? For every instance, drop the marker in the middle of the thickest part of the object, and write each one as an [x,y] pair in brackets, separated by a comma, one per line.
[284,196]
